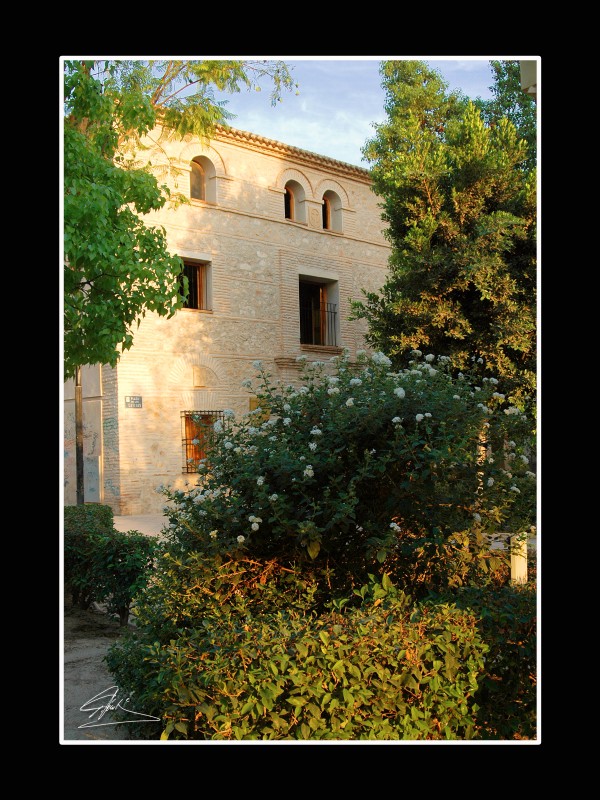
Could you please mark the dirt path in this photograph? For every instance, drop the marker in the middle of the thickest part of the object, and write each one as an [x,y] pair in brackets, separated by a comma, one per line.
[87,637]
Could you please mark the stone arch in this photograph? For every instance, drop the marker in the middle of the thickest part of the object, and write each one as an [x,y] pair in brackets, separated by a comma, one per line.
[191,150]
[326,185]
[287,175]
[181,373]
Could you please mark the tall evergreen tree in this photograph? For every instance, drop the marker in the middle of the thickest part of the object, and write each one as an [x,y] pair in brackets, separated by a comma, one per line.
[459,197]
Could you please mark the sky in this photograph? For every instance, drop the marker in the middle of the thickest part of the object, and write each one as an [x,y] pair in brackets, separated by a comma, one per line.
[339,98]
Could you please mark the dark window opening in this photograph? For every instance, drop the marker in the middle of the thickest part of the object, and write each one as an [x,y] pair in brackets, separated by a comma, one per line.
[289,203]
[197,433]
[197,275]
[317,316]
[326,214]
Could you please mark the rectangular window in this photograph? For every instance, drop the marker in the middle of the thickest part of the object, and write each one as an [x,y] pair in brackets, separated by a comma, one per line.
[317,315]
[197,430]
[197,275]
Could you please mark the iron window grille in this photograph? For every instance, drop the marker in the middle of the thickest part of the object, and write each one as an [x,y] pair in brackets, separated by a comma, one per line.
[197,435]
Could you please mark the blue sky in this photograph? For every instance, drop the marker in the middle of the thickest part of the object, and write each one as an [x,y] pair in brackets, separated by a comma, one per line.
[339,99]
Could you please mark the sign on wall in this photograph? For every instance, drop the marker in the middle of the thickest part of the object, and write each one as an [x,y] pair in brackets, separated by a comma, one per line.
[133,401]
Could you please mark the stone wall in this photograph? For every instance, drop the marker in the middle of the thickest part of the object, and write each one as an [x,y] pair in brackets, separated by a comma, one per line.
[256,257]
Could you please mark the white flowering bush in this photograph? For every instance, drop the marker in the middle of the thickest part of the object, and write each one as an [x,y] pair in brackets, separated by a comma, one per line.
[358,467]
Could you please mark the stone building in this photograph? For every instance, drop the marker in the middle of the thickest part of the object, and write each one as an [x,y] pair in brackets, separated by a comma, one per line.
[276,241]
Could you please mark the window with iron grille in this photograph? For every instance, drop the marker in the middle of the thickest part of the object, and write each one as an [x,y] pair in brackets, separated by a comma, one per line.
[197,275]
[197,431]
[317,315]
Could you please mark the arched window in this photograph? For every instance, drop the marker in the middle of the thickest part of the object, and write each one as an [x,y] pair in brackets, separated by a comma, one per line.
[332,212]
[326,213]
[294,205]
[197,181]
[289,203]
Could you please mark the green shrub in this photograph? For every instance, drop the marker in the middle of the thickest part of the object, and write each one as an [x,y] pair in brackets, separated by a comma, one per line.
[507,622]
[251,660]
[102,564]
[366,470]
[84,526]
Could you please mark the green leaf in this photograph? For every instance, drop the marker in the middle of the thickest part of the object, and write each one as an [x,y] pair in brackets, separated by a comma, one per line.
[313,548]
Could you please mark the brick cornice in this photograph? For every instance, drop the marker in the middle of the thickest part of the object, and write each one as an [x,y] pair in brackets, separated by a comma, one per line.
[271,146]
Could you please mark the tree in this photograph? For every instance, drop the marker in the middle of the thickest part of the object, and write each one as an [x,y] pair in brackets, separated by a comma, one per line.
[512,102]
[116,266]
[459,196]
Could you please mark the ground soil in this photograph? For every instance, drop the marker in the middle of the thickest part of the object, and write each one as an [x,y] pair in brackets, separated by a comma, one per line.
[87,637]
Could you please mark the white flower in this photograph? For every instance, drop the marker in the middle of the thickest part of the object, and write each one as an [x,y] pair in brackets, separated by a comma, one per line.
[429,357]
[419,417]
[493,380]
[498,396]
[480,360]
[213,534]
[399,392]
[260,480]
[287,421]
[350,402]
[355,382]
[427,414]
[301,358]
[229,412]
[511,410]
[524,459]
[308,471]
[477,388]
[381,358]
[456,396]
[477,517]
[257,364]
[218,426]
[514,489]
[316,431]
[530,474]
[395,527]
[333,390]
[254,526]
[417,353]
[273,497]
[312,446]
[241,539]
[247,383]
[252,518]
[490,482]
[228,445]
[397,420]
[512,444]
[287,407]
[332,379]
[237,450]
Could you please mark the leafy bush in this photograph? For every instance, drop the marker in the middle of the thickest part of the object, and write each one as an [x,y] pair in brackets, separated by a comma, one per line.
[84,527]
[102,564]
[252,661]
[507,622]
[367,470]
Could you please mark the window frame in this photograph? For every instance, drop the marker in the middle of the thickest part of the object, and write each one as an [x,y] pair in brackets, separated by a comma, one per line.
[199,286]
[194,449]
